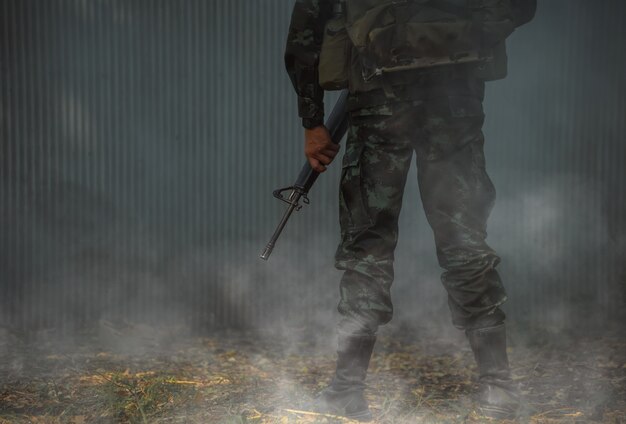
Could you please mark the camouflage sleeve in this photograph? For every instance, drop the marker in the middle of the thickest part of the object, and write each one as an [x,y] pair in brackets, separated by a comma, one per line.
[302,52]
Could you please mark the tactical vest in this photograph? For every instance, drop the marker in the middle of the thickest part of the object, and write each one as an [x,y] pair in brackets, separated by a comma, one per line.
[371,44]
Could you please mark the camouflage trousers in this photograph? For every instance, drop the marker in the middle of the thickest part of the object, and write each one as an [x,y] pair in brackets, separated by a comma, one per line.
[457,194]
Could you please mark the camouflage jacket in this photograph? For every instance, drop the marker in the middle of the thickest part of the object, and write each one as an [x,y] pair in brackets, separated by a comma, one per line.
[304,42]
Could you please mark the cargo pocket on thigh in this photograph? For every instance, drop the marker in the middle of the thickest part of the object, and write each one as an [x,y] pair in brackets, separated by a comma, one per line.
[353,211]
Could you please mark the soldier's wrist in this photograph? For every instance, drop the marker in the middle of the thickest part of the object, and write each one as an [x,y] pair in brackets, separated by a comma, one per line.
[310,123]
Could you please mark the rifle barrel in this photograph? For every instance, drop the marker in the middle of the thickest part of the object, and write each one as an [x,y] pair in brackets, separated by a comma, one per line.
[295,197]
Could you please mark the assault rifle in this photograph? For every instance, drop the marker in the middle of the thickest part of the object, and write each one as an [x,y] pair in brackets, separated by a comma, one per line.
[337,124]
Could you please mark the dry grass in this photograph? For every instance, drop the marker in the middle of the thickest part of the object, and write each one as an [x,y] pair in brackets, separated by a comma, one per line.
[251,379]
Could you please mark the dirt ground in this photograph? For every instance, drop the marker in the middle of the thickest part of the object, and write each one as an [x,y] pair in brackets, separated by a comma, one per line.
[136,374]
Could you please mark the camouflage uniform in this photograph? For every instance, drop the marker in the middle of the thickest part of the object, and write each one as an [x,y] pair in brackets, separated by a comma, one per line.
[438,116]
[445,134]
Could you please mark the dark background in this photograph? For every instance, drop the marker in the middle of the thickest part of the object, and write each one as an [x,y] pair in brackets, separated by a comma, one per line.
[141,140]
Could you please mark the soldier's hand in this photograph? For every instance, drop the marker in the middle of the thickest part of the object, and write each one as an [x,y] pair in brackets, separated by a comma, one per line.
[318,148]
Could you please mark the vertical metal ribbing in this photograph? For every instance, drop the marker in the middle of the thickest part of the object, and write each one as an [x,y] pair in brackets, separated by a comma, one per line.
[67,168]
[230,103]
[114,162]
[22,157]
[12,164]
[6,152]
[142,140]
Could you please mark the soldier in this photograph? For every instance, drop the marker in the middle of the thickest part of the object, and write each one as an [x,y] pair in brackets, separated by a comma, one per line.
[415,70]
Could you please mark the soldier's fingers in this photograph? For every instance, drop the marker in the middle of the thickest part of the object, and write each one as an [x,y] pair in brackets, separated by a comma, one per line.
[323,159]
[316,165]
[327,146]
[329,153]
[321,147]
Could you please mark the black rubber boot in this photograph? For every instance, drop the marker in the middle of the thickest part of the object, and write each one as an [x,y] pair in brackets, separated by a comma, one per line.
[499,396]
[344,395]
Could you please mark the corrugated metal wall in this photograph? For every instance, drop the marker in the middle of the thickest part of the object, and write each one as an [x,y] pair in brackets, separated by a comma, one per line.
[141,140]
